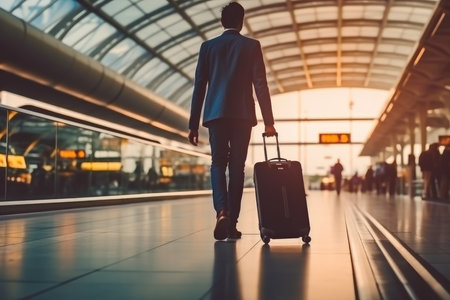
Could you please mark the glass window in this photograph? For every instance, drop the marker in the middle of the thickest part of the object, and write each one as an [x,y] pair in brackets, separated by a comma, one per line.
[150,72]
[278,19]
[326,13]
[8,4]
[305,15]
[149,6]
[84,27]
[115,7]
[104,165]
[128,58]
[133,166]
[128,15]
[75,147]
[3,164]
[170,85]
[148,31]
[125,49]
[53,14]
[31,157]
[28,9]
[93,39]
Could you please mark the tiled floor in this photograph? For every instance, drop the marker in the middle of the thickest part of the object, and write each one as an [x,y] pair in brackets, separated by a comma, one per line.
[166,250]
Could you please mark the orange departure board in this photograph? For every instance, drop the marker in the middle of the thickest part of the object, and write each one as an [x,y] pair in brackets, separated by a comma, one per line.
[334,138]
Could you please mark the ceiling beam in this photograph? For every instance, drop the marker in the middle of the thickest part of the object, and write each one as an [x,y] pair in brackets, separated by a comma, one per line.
[339,46]
[378,41]
[266,61]
[299,43]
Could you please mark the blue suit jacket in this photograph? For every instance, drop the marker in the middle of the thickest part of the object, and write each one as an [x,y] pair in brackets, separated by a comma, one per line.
[227,67]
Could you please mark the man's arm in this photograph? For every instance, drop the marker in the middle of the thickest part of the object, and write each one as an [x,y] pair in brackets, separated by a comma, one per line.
[198,96]
[262,91]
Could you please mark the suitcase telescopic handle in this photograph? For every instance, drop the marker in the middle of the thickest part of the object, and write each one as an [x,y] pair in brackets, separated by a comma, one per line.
[265,147]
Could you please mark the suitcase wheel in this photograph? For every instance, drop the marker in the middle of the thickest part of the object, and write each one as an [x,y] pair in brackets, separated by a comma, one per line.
[306,239]
[265,239]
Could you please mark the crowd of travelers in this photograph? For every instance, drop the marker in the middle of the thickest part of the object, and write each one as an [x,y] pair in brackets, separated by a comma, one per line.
[383,177]
[435,168]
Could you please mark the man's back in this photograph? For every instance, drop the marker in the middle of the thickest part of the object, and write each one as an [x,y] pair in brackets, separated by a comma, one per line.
[229,65]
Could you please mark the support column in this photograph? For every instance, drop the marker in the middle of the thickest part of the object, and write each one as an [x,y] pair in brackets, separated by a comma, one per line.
[423,127]
[411,156]
[393,182]
[412,135]
[394,147]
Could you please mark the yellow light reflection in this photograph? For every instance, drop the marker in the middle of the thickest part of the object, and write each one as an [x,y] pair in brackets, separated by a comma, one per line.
[14,161]
[12,259]
[101,166]
[72,153]
[66,249]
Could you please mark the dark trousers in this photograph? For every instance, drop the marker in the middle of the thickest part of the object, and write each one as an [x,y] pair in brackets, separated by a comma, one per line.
[229,141]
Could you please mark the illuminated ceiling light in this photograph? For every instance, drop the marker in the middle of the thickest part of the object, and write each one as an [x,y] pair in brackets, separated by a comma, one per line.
[447,87]
[395,96]
[390,106]
[422,51]
[406,79]
[383,117]
[438,24]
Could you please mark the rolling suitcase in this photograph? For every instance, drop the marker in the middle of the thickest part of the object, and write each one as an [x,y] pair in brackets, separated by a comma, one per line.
[280,198]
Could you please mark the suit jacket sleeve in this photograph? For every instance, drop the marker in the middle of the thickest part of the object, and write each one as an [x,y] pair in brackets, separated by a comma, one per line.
[200,83]
[261,88]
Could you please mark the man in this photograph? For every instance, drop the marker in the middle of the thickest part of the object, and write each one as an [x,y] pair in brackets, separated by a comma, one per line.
[429,166]
[228,66]
[337,172]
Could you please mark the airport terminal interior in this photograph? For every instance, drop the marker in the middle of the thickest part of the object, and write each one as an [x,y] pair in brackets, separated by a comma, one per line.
[103,197]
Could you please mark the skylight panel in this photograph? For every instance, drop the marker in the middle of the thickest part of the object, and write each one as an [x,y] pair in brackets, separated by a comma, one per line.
[130,14]
[285,37]
[326,13]
[147,31]
[53,14]
[305,15]
[94,38]
[400,13]
[350,12]
[81,29]
[115,7]
[149,6]
[157,38]
[327,32]
[311,49]
[328,47]
[308,34]
[279,19]
[373,12]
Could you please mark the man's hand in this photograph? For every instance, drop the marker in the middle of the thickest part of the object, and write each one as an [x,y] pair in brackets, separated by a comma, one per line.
[270,130]
[193,137]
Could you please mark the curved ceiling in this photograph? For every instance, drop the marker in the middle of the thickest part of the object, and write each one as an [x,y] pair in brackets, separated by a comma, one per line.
[306,44]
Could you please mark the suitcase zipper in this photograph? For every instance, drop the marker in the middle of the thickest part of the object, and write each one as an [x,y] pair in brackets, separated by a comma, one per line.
[285,201]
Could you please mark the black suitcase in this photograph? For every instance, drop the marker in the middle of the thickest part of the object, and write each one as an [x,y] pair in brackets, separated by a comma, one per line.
[280,198]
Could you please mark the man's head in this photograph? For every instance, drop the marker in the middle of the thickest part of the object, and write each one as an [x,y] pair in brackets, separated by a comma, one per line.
[233,16]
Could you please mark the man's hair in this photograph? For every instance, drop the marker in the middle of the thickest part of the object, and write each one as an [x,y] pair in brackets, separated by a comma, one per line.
[232,15]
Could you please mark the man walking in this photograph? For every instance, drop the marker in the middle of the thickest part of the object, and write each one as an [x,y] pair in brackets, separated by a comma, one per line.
[336,170]
[228,67]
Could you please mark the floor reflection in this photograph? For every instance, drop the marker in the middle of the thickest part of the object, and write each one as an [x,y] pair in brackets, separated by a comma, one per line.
[283,272]
[226,279]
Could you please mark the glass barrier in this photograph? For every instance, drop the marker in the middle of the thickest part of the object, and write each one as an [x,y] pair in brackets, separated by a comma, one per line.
[3,146]
[45,158]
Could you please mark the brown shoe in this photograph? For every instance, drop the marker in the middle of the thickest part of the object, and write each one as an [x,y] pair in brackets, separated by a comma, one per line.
[222,225]
[234,233]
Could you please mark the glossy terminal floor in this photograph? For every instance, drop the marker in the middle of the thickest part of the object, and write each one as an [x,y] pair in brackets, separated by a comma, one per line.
[166,250]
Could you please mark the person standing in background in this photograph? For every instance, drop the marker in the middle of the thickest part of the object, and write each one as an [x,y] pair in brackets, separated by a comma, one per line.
[336,170]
